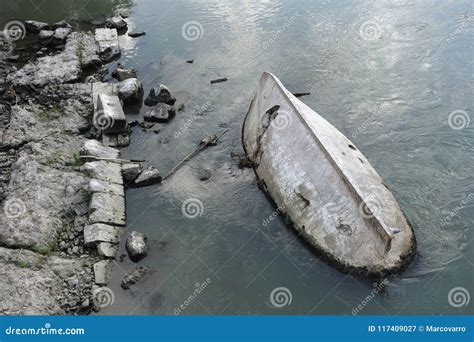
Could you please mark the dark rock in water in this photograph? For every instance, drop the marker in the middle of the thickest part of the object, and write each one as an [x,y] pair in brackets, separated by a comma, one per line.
[159,94]
[131,171]
[149,176]
[209,140]
[61,24]
[160,113]
[191,61]
[133,123]
[116,22]
[60,35]
[121,73]
[156,131]
[219,80]
[133,277]
[131,90]
[137,246]
[136,34]
[122,257]
[242,160]
[35,26]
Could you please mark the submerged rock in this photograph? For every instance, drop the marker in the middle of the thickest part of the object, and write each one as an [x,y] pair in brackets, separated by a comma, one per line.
[133,277]
[149,176]
[136,34]
[159,94]
[160,113]
[131,90]
[137,246]
[122,74]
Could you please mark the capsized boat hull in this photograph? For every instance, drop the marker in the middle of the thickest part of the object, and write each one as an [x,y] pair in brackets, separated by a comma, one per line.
[324,184]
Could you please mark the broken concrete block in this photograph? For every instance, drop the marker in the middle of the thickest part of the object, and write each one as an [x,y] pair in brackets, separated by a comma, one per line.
[97,185]
[107,39]
[108,250]
[160,113]
[107,208]
[35,26]
[149,176]
[96,233]
[109,172]
[109,116]
[95,149]
[103,272]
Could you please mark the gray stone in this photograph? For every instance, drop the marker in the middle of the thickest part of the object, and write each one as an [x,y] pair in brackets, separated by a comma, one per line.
[160,113]
[89,54]
[96,233]
[35,26]
[134,276]
[95,148]
[45,36]
[107,208]
[102,272]
[122,74]
[130,171]
[137,246]
[159,94]
[60,35]
[96,185]
[109,116]
[61,24]
[149,176]
[108,250]
[131,90]
[64,67]
[109,172]
[116,22]
[107,40]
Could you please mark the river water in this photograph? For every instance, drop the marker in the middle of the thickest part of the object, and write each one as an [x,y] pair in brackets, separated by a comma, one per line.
[395,76]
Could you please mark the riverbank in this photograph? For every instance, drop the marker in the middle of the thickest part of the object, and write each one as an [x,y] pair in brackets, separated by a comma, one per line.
[62,191]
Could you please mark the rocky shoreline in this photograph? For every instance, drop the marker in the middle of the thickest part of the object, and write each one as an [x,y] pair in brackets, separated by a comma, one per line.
[62,182]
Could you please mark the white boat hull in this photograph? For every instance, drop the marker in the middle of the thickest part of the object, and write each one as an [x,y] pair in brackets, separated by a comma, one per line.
[324,184]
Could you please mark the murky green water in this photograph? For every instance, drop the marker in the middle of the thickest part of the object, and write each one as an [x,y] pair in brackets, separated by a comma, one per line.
[387,74]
